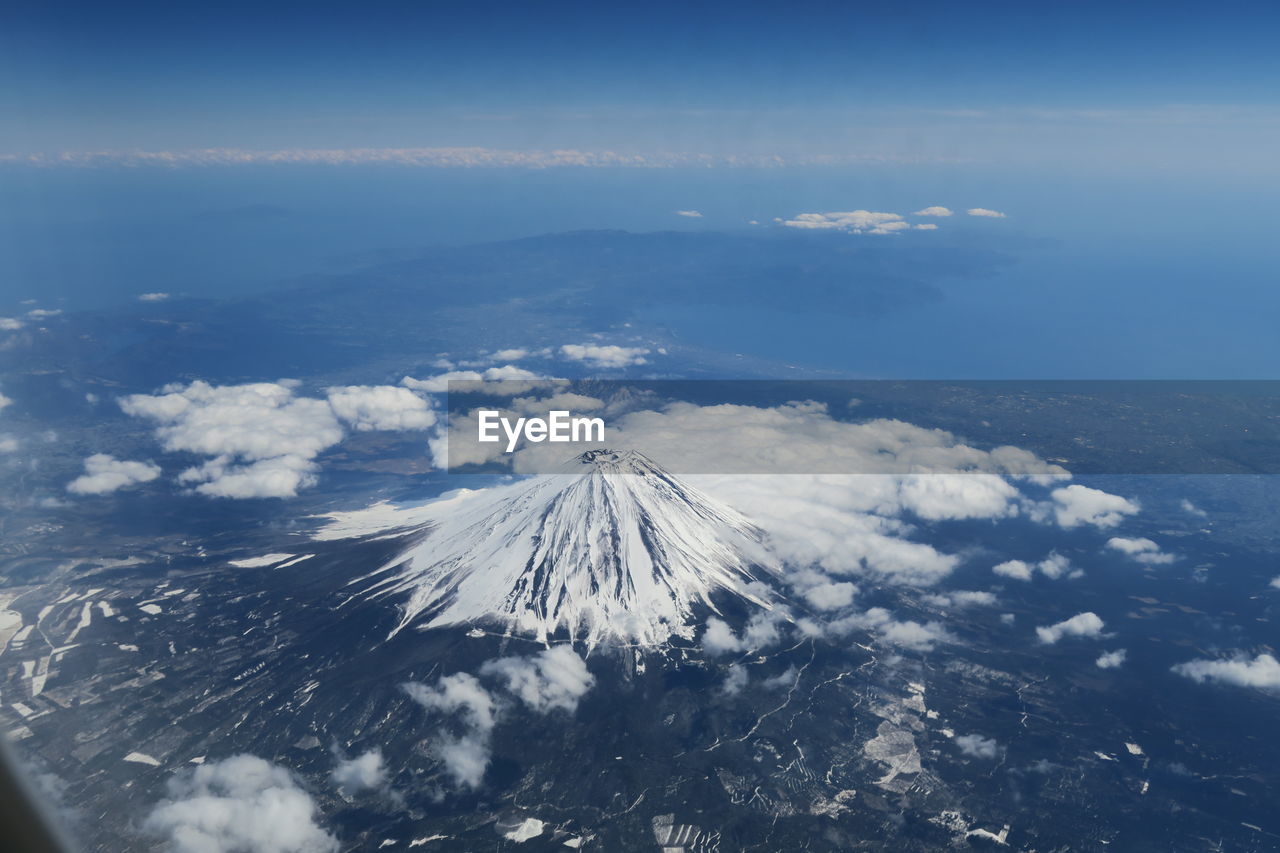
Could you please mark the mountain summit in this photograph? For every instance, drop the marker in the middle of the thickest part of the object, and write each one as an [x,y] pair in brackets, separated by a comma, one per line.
[613,548]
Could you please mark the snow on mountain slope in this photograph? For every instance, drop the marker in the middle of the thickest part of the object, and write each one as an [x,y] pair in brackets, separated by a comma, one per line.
[613,548]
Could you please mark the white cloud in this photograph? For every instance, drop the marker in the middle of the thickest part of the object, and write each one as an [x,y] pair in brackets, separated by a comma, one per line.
[5,402]
[104,473]
[961,598]
[1016,569]
[1188,506]
[982,211]
[940,497]
[735,680]
[719,638]
[977,746]
[42,313]
[605,356]
[1275,582]
[241,804]
[935,210]
[1262,672]
[853,222]
[460,693]
[10,324]
[760,633]
[1141,549]
[554,678]
[514,354]
[518,379]
[1080,625]
[920,637]
[1053,567]
[830,596]
[262,439]
[9,444]
[691,214]
[1111,660]
[913,635]
[278,477]
[365,772]
[158,296]
[465,757]
[381,407]
[927,226]
[1076,504]
[262,424]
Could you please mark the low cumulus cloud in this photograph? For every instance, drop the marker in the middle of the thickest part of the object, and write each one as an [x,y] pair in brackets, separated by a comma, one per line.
[241,804]
[1016,569]
[761,632]
[262,437]
[735,680]
[1053,567]
[977,746]
[852,221]
[1140,549]
[1111,660]
[5,402]
[365,772]
[1263,672]
[104,473]
[689,214]
[611,355]
[829,595]
[908,634]
[10,324]
[520,380]
[554,679]
[876,222]
[960,599]
[465,756]
[1189,507]
[1081,625]
[1075,505]
[158,296]
[381,407]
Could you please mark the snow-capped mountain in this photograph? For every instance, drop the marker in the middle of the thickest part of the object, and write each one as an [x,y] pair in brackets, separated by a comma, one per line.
[612,548]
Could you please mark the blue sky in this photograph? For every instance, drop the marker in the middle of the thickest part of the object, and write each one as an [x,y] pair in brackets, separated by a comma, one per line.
[1131,144]
[1171,85]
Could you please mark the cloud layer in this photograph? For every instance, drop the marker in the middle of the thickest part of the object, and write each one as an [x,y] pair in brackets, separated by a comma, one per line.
[367,771]
[241,804]
[104,473]
[554,679]
[262,439]
[604,356]
[1262,672]
[1080,625]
